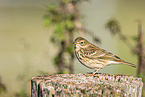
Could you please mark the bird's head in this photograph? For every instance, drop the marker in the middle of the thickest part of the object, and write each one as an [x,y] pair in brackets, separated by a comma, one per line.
[80,42]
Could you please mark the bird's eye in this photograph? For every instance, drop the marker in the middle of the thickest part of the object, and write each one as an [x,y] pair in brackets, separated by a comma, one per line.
[82,42]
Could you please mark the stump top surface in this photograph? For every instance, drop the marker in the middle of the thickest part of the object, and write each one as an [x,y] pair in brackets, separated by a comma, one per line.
[84,78]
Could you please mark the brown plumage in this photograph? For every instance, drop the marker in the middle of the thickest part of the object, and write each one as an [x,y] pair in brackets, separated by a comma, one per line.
[94,57]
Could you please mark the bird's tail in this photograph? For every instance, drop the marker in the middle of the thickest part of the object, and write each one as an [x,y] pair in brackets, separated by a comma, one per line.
[130,64]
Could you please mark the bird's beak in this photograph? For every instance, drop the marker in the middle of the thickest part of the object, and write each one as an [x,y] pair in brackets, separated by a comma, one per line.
[75,43]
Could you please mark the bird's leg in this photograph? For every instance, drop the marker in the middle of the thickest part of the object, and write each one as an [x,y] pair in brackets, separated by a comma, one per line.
[96,71]
[93,72]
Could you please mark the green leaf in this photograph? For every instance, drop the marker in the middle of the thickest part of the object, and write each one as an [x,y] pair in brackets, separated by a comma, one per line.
[59,31]
[56,60]
[69,24]
[51,8]
[47,22]
[70,49]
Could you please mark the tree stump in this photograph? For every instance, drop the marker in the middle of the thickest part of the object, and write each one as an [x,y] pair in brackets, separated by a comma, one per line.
[81,85]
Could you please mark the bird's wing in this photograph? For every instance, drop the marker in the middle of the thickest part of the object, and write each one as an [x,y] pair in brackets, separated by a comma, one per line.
[94,53]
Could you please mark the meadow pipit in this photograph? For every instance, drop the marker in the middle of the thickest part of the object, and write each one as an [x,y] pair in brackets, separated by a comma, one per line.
[94,57]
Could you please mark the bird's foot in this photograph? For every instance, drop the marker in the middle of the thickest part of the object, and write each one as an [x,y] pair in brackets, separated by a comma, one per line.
[89,74]
[92,74]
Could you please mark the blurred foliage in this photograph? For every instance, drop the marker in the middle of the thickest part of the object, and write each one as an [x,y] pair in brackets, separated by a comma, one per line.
[2,86]
[22,93]
[135,38]
[115,29]
[23,81]
[64,18]
[114,26]
[43,73]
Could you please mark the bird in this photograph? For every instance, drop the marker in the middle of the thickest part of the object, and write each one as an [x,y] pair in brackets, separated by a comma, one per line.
[94,57]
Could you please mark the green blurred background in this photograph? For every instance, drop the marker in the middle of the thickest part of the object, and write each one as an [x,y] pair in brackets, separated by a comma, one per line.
[26,49]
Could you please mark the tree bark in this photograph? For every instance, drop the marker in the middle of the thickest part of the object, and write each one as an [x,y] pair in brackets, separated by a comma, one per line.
[80,85]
